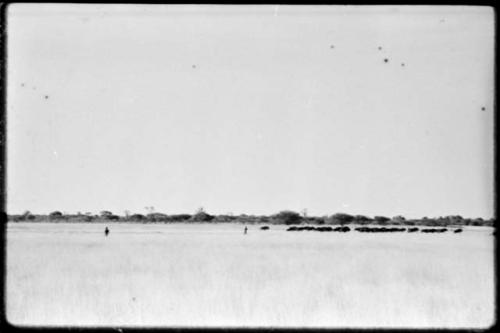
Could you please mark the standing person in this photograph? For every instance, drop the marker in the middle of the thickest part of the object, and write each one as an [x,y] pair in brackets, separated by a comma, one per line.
[106,232]
[245,232]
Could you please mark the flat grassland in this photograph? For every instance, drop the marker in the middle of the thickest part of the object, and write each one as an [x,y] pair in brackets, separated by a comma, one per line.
[214,276]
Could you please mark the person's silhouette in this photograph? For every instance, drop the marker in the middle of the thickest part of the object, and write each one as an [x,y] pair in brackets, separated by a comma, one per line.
[106,232]
[245,232]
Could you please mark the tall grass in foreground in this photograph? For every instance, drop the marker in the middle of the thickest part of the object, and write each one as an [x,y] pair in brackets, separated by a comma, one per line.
[166,275]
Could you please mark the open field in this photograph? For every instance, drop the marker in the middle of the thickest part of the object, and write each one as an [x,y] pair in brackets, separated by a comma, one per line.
[213,275]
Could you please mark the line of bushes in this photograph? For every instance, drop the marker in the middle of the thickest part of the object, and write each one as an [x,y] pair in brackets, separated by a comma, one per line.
[286,217]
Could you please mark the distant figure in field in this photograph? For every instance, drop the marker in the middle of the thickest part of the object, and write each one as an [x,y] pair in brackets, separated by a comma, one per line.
[106,232]
[245,231]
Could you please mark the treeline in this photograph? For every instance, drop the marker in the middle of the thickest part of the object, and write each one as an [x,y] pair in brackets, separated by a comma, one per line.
[283,217]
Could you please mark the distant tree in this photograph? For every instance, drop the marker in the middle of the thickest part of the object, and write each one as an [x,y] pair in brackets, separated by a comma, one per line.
[361,219]
[263,219]
[56,215]
[14,217]
[455,219]
[467,221]
[410,222]
[106,213]
[137,217]
[87,217]
[178,217]
[202,216]
[314,220]
[224,218]
[381,219]
[287,217]
[249,219]
[398,219]
[340,218]
[157,217]
[490,222]
[26,216]
[478,221]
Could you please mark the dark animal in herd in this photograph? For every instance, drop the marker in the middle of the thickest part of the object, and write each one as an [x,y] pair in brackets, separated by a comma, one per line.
[321,229]
[433,230]
[367,229]
[382,229]
[264,228]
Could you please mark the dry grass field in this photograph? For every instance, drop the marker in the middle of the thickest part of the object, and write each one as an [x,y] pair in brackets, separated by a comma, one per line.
[213,275]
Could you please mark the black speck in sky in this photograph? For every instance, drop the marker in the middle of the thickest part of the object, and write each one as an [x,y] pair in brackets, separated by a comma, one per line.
[483,108]
[46,96]
[386,60]
[22,84]
[332,46]
[194,66]
[380,48]
[402,64]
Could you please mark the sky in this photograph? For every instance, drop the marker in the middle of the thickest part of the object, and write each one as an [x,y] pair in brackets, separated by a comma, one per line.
[373,110]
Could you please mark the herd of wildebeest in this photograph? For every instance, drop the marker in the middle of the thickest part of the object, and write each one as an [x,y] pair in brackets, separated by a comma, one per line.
[366,229]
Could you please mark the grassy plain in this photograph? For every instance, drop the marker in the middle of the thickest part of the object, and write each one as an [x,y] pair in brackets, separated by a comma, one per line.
[213,275]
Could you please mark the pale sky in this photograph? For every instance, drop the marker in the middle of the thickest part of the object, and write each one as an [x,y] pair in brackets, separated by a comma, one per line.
[251,109]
